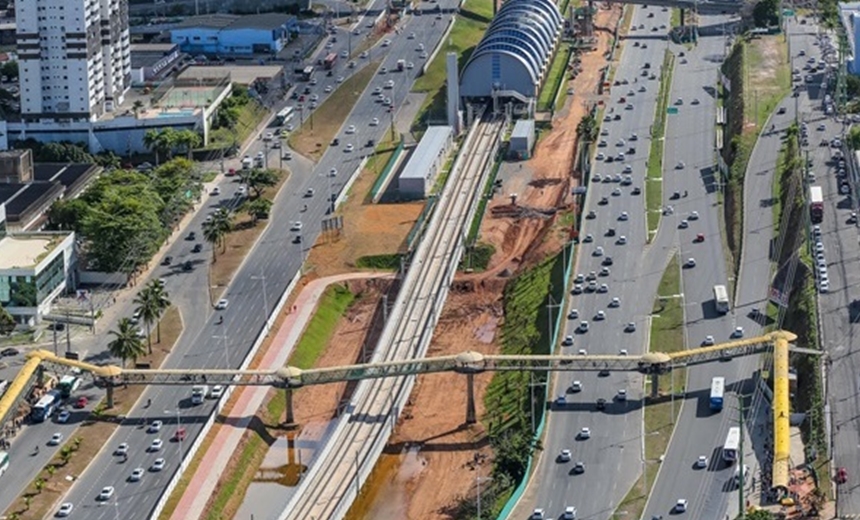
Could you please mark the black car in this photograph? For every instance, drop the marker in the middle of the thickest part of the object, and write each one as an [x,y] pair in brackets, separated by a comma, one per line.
[636,191]
[191,236]
[591,215]
[167,260]
[187,266]
[197,248]
[11,351]
[335,141]
[604,201]
[601,404]
[607,261]
[610,232]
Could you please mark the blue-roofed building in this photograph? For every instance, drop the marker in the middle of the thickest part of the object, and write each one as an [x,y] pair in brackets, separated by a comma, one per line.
[230,35]
[425,163]
[514,55]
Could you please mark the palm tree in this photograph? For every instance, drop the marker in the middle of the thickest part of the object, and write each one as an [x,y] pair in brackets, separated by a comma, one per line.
[136,107]
[188,139]
[126,343]
[151,142]
[151,302]
[213,234]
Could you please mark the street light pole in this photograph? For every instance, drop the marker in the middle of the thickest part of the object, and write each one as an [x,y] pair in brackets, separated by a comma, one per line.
[178,436]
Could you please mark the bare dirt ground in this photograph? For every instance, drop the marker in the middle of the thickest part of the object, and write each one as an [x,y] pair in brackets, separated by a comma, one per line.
[369,229]
[435,419]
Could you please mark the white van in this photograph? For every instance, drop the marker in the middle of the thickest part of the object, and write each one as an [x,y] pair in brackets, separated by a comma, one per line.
[198,394]
[737,477]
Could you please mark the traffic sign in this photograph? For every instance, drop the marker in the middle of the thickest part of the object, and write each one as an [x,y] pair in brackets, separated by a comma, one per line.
[672,110]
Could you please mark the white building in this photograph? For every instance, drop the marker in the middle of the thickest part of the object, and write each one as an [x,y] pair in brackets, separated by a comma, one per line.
[74,58]
[416,178]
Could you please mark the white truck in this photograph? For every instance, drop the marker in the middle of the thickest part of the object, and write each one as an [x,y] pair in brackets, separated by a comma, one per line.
[198,393]
[246,163]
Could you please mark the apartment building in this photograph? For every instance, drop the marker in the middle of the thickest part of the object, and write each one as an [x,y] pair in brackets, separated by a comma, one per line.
[74,58]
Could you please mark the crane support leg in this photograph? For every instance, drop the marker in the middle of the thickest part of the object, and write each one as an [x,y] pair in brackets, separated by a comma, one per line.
[655,385]
[683,16]
[288,393]
[110,396]
[470,399]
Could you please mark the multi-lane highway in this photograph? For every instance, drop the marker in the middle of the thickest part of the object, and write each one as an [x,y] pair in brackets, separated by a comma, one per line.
[612,454]
[204,343]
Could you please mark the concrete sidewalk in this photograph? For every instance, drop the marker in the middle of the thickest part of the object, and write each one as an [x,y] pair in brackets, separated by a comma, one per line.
[226,441]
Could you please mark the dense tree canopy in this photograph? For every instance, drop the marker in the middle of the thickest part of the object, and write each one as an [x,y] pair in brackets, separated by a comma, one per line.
[766,13]
[125,216]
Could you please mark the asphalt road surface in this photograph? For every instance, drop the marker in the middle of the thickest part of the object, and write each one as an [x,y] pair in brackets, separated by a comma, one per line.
[271,264]
[612,455]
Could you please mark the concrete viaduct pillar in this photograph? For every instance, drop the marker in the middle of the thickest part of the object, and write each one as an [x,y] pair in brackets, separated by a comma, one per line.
[288,393]
[470,398]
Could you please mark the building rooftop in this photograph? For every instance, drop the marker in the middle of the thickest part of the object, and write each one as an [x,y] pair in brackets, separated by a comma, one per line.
[154,48]
[25,250]
[14,153]
[524,128]
[242,75]
[433,141]
[263,21]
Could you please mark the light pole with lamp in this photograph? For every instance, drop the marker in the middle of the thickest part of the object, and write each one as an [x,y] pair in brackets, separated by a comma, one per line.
[179,436]
[478,483]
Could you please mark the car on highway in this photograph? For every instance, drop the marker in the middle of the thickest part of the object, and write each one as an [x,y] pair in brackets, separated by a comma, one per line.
[349,148]
[630,327]
[599,316]
[598,251]
[623,216]
[154,426]
[738,332]
[601,404]
[702,462]
[573,314]
[386,42]
[105,493]
[296,226]
[155,445]
[622,240]
[681,505]
[578,469]
[584,433]
[567,341]
[197,248]
[538,514]
[158,465]
[699,238]
[374,121]
[588,238]
[564,455]
[569,513]
[136,475]
[690,263]
[575,387]
[350,129]
[63,417]
[81,402]
[56,439]
[709,341]
[583,326]
[615,302]
[64,510]
[217,392]
[221,305]
[577,289]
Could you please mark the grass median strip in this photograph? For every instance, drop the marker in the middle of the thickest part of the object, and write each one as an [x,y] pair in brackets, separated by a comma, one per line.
[660,414]
[322,124]
[654,179]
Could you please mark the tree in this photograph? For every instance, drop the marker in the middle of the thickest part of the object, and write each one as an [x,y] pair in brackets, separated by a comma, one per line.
[257,209]
[259,180]
[216,229]
[587,128]
[136,107]
[766,13]
[7,322]
[759,514]
[150,141]
[853,138]
[62,153]
[187,140]
[212,234]
[10,69]
[126,343]
[151,302]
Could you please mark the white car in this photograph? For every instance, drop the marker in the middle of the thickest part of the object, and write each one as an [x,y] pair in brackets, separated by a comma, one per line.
[63,417]
[136,475]
[569,512]
[122,449]
[386,42]
[598,251]
[156,445]
[622,352]
[296,226]
[363,55]
[215,191]
[538,514]
[681,505]
[410,65]
[64,510]
[621,240]
[105,493]
[583,326]
[389,83]
[684,224]
[623,216]
[621,395]
[573,314]
[217,392]
[702,462]
[155,427]
[615,302]
[158,465]
[585,433]
[56,439]
[350,129]
[374,121]
[576,386]
[693,216]
[221,305]
[349,147]
[567,341]
[328,89]
[709,340]
[738,333]
[564,456]
[340,79]
[690,263]
[599,316]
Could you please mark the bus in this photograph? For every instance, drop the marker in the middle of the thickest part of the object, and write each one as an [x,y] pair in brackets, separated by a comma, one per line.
[307,72]
[67,385]
[816,204]
[284,116]
[329,61]
[44,409]
[718,387]
[721,299]
[732,445]
[4,462]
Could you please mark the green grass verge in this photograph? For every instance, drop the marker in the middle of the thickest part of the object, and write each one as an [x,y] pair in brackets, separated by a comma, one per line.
[667,335]
[654,179]
[477,258]
[675,17]
[555,78]
[475,227]
[390,262]
[316,336]
[469,27]
[250,116]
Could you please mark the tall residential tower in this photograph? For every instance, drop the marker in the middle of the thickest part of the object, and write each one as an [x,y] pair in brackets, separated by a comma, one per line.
[74,58]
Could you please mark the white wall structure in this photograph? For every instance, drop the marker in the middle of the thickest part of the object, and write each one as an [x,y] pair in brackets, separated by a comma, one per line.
[427,160]
[453,92]
[514,55]
[74,58]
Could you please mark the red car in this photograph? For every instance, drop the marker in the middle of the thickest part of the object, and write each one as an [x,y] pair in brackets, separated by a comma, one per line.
[699,238]
[842,476]
[179,435]
[81,402]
